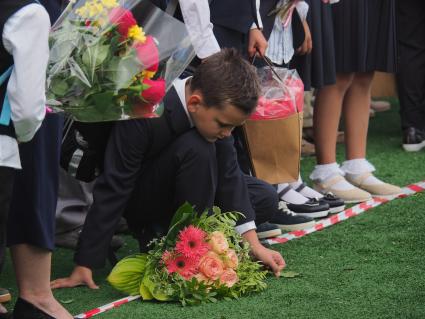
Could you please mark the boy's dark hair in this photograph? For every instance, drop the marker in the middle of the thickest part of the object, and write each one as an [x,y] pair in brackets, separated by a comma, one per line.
[227,78]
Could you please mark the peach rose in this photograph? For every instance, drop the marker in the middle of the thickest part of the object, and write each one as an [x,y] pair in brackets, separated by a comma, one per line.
[229,277]
[211,266]
[218,242]
[231,259]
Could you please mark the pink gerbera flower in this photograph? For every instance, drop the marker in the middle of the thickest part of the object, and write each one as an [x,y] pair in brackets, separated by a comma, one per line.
[192,243]
[182,265]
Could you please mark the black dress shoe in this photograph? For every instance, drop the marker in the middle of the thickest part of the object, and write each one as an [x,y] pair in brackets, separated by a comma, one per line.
[25,310]
[336,204]
[413,139]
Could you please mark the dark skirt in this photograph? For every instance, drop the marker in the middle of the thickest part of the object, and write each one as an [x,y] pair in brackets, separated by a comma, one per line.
[365,36]
[318,68]
[32,210]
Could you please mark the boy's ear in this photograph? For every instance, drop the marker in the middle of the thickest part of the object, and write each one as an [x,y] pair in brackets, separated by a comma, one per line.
[194,102]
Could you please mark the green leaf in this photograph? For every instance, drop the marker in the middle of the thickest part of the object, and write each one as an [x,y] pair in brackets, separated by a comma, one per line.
[102,100]
[95,55]
[68,301]
[289,274]
[181,218]
[127,274]
[59,87]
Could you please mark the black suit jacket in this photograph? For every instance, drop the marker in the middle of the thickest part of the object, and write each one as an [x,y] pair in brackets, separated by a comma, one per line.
[131,144]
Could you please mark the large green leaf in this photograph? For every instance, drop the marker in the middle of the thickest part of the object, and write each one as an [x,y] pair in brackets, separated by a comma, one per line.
[128,273]
[183,217]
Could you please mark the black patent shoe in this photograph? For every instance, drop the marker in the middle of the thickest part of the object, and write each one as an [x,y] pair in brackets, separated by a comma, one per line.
[413,139]
[25,310]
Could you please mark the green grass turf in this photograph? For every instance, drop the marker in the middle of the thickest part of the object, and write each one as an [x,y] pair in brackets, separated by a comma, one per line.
[371,266]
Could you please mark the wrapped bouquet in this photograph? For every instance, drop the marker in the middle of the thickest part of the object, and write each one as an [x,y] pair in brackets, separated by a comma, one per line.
[201,259]
[113,60]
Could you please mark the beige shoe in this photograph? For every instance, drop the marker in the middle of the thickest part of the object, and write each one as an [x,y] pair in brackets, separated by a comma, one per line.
[383,190]
[355,195]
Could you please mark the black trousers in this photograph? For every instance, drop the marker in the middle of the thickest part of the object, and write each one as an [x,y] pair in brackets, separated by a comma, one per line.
[411,68]
[186,171]
[7,176]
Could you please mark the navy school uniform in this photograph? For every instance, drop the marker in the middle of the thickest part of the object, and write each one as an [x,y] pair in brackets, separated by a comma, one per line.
[151,167]
[32,210]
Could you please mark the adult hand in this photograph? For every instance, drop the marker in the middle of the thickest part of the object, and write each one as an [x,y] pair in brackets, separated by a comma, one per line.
[257,43]
[270,258]
[81,276]
[307,45]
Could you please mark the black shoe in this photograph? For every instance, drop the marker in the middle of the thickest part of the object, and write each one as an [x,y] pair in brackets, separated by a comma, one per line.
[25,310]
[336,204]
[312,208]
[289,221]
[413,139]
[267,230]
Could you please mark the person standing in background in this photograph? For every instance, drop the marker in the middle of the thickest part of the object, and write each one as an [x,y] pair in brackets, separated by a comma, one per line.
[411,72]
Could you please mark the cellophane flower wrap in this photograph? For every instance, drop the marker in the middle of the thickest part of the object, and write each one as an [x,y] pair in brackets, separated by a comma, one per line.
[282,94]
[201,259]
[114,60]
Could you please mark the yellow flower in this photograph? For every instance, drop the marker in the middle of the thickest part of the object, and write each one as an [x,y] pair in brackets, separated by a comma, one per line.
[109,3]
[148,74]
[95,9]
[136,33]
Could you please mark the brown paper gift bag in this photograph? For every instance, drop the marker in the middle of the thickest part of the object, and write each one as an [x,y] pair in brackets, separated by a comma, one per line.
[274,147]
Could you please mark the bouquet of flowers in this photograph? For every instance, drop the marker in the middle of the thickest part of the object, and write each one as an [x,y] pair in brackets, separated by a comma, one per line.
[201,259]
[282,94]
[108,59]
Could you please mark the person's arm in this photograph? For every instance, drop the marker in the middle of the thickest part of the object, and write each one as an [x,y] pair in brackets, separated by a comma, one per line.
[302,9]
[257,43]
[25,37]
[196,16]
[232,195]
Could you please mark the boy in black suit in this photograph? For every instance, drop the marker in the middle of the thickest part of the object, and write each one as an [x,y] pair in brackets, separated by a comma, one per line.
[152,166]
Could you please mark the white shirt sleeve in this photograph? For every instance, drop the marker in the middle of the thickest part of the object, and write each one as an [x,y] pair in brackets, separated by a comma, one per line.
[260,22]
[302,9]
[25,37]
[196,16]
[243,228]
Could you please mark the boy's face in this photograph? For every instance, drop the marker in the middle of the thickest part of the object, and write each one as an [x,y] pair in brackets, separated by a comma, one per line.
[211,122]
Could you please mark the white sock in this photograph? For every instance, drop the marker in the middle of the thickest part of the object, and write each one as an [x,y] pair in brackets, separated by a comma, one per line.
[291,196]
[356,167]
[305,191]
[325,172]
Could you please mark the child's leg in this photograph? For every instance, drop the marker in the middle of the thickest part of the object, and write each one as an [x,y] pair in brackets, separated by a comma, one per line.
[356,115]
[327,113]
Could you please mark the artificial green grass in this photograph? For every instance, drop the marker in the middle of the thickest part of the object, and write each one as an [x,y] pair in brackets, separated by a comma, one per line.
[370,266]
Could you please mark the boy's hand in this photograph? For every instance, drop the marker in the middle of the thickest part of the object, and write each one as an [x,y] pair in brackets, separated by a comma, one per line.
[270,258]
[257,43]
[81,276]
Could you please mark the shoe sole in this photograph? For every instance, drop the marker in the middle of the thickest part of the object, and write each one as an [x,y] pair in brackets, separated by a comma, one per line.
[338,209]
[315,214]
[414,147]
[5,298]
[269,234]
[387,196]
[296,226]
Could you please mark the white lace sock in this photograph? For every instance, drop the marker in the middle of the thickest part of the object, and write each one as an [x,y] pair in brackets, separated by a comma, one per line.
[305,191]
[325,172]
[291,196]
[357,167]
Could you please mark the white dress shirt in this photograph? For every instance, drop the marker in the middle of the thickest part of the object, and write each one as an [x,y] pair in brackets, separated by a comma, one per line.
[196,16]
[281,49]
[180,87]
[25,37]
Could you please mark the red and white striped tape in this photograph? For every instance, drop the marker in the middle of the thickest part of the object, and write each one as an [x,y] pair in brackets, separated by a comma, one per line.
[348,213]
[104,308]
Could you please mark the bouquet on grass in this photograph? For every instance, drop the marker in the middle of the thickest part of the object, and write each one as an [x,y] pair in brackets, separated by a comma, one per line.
[113,60]
[201,259]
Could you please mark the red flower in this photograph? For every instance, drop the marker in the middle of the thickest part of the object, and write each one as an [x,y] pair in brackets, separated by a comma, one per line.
[154,92]
[148,54]
[123,19]
[182,265]
[192,243]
